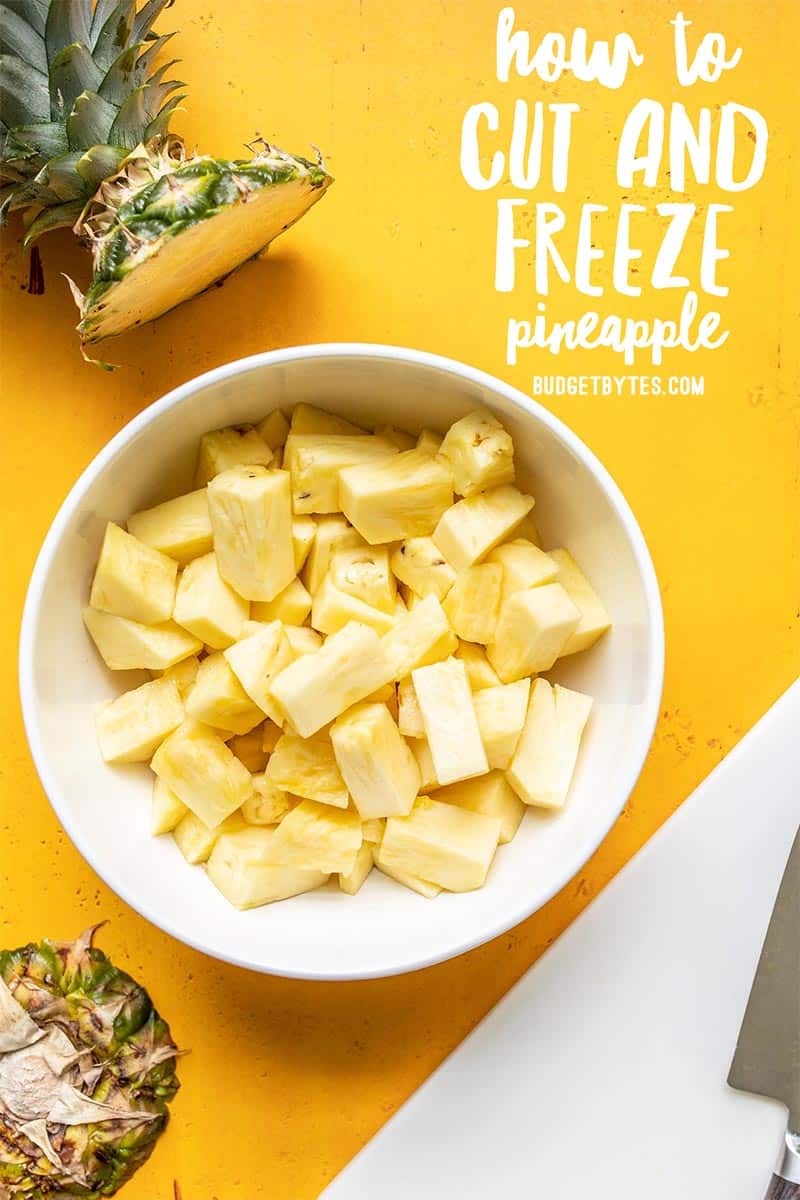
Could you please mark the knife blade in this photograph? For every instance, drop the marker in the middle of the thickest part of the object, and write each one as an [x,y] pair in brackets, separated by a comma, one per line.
[767,1058]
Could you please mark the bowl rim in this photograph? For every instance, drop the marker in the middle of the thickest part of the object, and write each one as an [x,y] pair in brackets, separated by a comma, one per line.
[639,748]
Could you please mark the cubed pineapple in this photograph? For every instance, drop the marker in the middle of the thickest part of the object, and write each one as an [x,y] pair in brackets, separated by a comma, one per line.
[317,837]
[420,564]
[251,515]
[472,605]
[479,452]
[302,640]
[132,580]
[218,698]
[382,695]
[365,572]
[524,566]
[307,767]
[333,533]
[304,530]
[399,497]
[308,419]
[126,645]
[480,672]
[529,530]
[270,736]
[449,846]
[401,439]
[427,771]
[422,886]
[249,748]
[226,448]
[203,772]
[451,726]
[420,637]
[429,441]
[257,660]
[470,529]
[594,617]
[409,717]
[291,606]
[542,768]
[184,673]
[274,429]
[316,462]
[377,766]
[352,881]
[240,869]
[333,608]
[195,840]
[130,728]
[491,795]
[207,606]
[501,715]
[316,688]
[179,528]
[372,830]
[268,803]
[533,629]
[166,809]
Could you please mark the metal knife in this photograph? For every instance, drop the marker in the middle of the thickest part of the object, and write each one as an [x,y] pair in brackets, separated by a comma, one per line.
[767,1059]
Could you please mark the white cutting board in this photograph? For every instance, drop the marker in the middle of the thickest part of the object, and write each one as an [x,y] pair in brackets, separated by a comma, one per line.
[603,1071]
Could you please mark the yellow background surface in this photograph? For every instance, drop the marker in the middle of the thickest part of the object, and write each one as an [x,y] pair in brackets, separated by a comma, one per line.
[286,1079]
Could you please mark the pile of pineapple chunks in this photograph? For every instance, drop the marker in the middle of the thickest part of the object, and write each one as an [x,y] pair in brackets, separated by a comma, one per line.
[345,632]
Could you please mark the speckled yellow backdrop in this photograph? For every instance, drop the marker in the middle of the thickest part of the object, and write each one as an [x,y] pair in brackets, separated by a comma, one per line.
[287,1079]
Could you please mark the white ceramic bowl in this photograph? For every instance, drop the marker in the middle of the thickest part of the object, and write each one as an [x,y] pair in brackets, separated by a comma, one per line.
[385,929]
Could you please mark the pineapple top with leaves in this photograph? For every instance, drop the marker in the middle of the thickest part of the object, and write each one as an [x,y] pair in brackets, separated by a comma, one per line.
[84,113]
[87,1070]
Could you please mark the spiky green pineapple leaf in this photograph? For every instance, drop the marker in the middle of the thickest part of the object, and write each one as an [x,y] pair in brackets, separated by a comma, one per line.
[115,35]
[72,72]
[90,122]
[67,24]
[24,93]
[98,163]
[19,38]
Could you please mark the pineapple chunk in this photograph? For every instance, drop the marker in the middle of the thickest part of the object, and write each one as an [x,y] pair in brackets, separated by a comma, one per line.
[126,645]
[203,772]
[184,673]
[451,726]
[333,608]
[249,748]
[542,768]
[304,530]
[429,441]
[427,771]
[382,695]
[268,803]
[352,881]
[594,617]
[195,840]
[132,580]
[473,603]
[491,795]
[409,712]
[533,629]
[470,529]
[501,715]
[274,429]
[401,439]
[207,606]
[226,448]
[400,497]
[480,673]
[251,515]
[302,640]
[372,830]
[449,846]
[420,564]
[291,606]
[307,767]
[420,637]
[256,660]
[308,419]
[316,462]
[524,566]
[317,837]
[365,572]
[130,728]
[333,533]
[479,452]
[429,890]
[529,530]
[270,736]
[218,698]
[318,687]
[239,868]
[166,809]
[179,528]
[377,766]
